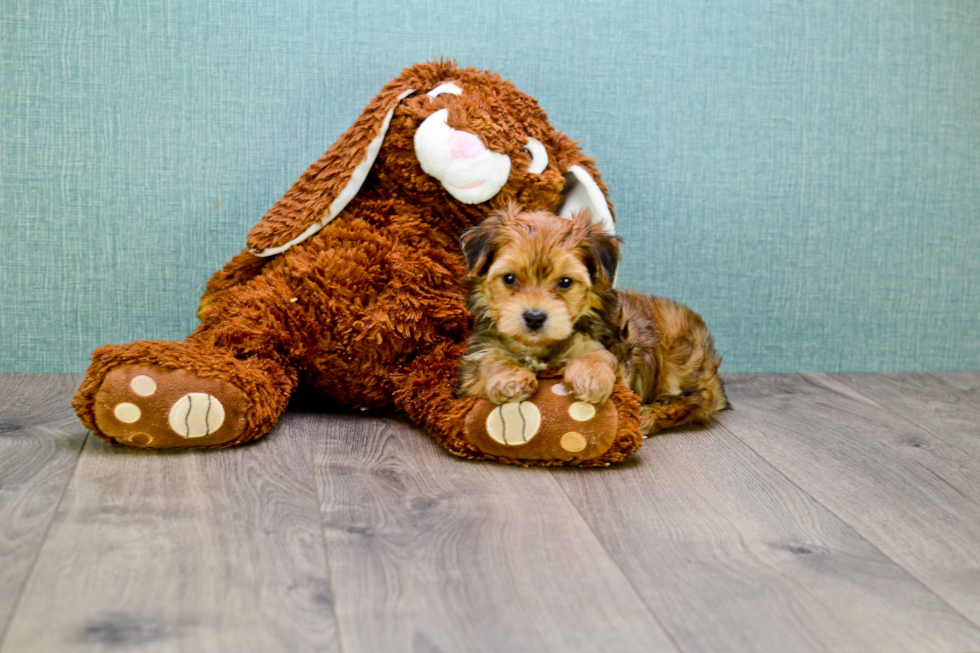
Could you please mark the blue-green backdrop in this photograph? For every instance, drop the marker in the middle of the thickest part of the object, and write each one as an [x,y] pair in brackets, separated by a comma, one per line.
[804,173]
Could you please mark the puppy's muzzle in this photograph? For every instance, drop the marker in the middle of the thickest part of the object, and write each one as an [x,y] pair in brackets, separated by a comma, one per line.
[534,319]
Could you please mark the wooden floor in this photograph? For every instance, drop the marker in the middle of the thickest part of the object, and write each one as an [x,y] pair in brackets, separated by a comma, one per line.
[823,513]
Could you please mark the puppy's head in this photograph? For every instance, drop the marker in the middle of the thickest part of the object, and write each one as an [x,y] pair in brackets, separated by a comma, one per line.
[537,276]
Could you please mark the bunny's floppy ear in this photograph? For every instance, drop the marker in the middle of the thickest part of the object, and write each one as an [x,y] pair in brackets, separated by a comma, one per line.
[583,190]
[583,193]
[329,184]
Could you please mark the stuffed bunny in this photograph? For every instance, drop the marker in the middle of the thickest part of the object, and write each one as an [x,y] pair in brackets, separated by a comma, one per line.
[350,285]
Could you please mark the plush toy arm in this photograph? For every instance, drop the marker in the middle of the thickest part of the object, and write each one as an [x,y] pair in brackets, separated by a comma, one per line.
[425,391]
[551,428]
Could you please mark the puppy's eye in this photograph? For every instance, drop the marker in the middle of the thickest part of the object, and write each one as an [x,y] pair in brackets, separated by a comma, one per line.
[510,279]
[565,283]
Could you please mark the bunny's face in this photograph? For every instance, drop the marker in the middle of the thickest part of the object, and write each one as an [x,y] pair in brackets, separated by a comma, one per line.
[468,136]
[476,139]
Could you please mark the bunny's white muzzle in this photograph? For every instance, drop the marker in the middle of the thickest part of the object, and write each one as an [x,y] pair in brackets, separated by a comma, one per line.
[468,171]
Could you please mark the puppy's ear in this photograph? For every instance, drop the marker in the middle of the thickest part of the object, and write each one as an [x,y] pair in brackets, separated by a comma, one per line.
[480,243]
[601,253]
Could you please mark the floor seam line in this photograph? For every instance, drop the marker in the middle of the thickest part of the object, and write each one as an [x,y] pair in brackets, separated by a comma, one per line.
[323,538]
[40,548]
[615,562]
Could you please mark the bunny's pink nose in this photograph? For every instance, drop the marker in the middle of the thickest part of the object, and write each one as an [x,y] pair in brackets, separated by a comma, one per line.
[464,145]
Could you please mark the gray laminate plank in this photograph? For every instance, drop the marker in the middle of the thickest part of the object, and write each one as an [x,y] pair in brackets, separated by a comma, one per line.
[732,556]
[968,381]
[929,401]
[183,551]
[904,489]
[40,441]
[433,553]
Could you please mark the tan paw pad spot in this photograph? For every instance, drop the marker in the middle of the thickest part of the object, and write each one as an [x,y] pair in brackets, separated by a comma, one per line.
[140,439]
[573,441]
[514,423]
[196,414]
[127,412]
[143,385]
[581,411]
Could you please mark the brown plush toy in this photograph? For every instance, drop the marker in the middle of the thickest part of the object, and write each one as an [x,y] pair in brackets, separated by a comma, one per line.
[350,285]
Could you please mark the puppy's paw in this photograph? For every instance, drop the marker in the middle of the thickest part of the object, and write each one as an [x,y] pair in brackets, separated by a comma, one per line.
[590,381]
[515,384]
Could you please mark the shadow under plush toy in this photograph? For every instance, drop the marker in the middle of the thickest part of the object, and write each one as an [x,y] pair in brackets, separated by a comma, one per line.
[350,285]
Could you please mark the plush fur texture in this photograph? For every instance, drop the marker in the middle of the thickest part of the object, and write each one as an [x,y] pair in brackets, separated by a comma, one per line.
[367,308]
[541,291]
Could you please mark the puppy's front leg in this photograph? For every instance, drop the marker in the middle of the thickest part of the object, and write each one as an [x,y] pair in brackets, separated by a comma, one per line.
[495,376]
[511,383]
[592,376]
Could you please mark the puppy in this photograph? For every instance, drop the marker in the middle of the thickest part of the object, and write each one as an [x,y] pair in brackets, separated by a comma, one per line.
[540,288]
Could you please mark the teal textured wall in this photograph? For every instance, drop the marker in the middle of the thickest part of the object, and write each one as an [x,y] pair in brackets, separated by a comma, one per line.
[806,174]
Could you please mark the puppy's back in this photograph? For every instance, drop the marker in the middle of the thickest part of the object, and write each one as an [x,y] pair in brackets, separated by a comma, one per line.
[678,341]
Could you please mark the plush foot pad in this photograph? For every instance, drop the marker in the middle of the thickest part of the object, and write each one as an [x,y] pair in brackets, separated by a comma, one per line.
[550,426]
[156,407]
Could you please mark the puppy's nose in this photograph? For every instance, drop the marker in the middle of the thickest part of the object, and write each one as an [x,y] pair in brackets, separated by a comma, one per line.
[464,145]
[534,318]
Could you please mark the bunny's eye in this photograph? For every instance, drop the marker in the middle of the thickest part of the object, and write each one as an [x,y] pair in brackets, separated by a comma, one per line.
[565,283]
[539,156]
[510,279]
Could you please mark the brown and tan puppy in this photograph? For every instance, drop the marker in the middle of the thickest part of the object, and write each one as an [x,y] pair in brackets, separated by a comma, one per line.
[541,290]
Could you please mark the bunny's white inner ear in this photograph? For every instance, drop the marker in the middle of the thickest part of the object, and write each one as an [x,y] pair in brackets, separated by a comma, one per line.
[445,87]
[581,192]
[539,156]
[357,177]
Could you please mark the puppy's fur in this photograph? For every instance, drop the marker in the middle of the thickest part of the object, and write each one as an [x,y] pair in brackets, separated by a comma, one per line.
[541,290]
